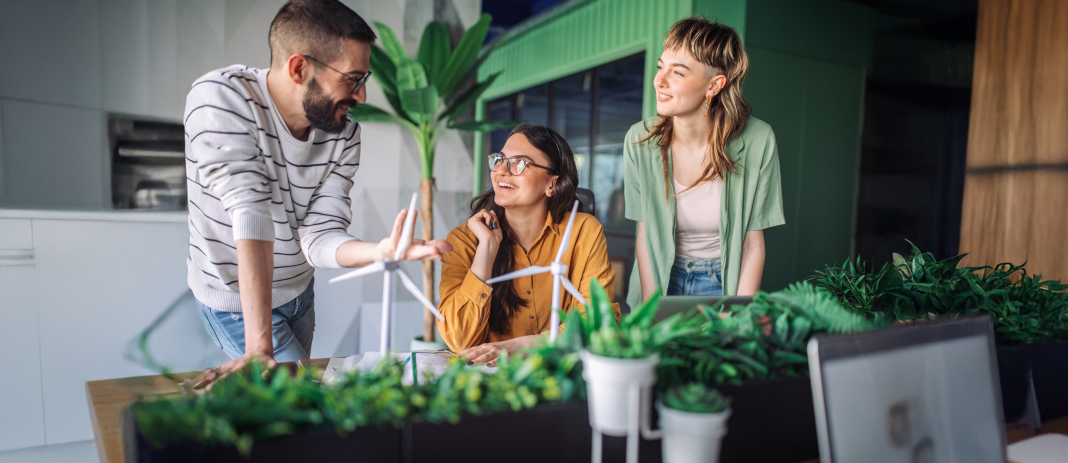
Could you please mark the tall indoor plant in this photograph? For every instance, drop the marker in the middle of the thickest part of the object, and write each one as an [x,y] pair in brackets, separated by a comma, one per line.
[429,94]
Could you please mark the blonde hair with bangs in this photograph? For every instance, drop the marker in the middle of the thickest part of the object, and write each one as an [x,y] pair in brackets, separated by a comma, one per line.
[719,47]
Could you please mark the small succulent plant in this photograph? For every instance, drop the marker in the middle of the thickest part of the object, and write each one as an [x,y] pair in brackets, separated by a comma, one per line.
[695,398]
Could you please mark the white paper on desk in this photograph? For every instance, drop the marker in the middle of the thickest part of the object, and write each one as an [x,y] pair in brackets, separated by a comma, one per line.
[1045,448]
[426,363]
[367,361]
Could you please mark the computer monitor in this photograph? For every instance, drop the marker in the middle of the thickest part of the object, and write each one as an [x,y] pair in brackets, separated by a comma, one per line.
[671,305]
[920,393]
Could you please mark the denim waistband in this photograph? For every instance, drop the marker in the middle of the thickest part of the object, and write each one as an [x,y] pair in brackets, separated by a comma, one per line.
[697,265]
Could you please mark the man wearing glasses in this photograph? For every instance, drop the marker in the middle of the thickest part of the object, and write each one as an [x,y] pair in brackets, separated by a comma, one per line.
[270,159]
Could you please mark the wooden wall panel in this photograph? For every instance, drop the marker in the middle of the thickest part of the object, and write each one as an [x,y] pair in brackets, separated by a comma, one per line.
[1016,186]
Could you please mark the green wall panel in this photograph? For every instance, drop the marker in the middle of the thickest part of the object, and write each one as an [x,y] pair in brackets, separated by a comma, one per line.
[806,78]
[585,34]
[829,30]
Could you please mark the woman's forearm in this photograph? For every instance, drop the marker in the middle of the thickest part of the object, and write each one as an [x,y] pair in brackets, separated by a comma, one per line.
[752,265]
[645,271]
[482,264]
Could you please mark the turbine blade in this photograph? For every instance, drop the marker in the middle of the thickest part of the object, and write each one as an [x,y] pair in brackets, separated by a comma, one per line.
[408,230]
[412,288]
[532,270]
[373,268]
[573,290]
[567,233]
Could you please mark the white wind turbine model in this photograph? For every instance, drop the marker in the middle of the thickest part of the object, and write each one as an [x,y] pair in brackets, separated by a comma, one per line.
[559,271]
[389,267]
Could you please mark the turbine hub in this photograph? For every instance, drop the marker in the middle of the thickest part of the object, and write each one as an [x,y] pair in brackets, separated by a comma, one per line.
[558,269]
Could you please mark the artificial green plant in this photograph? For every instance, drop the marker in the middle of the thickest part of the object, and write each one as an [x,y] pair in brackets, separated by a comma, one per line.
[257,403]
[764,339]
[634,336]
[1025,308]
[428,94]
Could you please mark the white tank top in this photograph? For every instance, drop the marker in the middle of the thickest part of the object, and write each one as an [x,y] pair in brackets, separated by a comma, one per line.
[697,220]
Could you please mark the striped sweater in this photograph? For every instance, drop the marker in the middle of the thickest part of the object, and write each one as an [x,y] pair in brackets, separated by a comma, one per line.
[249,178]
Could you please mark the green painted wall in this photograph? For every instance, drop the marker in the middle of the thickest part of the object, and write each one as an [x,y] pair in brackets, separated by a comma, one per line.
[584,34]
[806,78]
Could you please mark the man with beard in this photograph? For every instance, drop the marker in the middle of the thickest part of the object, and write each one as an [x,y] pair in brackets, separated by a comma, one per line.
[270,159]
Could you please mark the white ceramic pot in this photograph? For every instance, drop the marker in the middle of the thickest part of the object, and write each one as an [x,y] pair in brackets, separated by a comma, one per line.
[691,437]
[419,344]
[609,387]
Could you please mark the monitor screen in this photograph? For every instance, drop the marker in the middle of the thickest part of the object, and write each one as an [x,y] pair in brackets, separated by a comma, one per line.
[931,398]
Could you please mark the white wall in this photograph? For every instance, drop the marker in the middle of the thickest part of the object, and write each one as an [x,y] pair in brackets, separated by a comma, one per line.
[93,284]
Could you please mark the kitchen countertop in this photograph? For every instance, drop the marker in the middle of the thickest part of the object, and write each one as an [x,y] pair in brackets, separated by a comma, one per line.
[97,216]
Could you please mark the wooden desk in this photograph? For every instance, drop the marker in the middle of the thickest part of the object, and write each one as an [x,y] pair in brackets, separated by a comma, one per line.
[109,398]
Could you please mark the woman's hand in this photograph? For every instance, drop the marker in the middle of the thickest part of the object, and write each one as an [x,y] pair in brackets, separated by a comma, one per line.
[486,228]
[487,353]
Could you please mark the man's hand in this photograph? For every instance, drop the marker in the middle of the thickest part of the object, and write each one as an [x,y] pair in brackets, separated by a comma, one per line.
[487,353]
[418,250]
[211,375]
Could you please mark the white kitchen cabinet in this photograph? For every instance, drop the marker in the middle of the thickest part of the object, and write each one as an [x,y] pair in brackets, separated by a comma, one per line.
[101,284]
[21,402]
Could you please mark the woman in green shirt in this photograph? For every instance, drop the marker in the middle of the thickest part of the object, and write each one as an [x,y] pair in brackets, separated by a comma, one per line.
[702,177]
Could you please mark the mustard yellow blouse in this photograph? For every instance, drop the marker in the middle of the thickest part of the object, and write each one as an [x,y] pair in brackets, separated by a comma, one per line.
[465,300]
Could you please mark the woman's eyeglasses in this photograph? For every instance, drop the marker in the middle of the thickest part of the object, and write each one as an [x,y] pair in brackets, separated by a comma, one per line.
[516,166]
[357,82]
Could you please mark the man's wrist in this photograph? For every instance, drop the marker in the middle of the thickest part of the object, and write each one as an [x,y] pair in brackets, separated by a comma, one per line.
[260,347]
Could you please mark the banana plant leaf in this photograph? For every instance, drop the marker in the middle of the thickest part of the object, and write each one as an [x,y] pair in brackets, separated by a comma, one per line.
[464,56]
[434,49]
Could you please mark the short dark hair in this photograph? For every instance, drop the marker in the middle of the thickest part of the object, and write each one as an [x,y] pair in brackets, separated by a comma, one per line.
[315,28]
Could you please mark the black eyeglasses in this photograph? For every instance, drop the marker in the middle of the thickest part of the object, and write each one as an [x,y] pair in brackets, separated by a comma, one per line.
[357,81]
[516,166]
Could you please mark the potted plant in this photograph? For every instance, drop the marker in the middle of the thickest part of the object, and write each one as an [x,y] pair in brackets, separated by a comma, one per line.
[757,355]
[619,361]
[693,420]
[430,93]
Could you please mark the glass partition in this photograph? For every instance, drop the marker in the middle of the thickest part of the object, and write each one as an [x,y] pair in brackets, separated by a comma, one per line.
[619,107]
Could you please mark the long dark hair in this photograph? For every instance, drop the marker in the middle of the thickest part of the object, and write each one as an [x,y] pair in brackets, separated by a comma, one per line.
[506,301]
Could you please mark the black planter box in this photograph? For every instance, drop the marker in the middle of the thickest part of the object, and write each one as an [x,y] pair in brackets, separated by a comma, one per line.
[1049,370]
[1014,373]
[363,445]
[550,433]
[771,421]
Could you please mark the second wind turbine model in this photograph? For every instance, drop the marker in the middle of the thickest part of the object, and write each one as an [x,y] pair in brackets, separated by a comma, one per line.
[559,271]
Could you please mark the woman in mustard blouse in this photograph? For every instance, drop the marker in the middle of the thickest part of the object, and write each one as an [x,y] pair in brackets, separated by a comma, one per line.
[518,223]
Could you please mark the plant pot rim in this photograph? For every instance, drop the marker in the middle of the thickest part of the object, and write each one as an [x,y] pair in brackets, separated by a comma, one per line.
[655,358]
[662,409]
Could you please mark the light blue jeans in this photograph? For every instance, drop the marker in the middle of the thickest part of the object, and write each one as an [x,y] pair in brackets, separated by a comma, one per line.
[696,277]
[292,327]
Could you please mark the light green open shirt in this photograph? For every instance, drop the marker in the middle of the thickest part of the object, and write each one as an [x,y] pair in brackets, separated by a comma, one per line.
[751,199]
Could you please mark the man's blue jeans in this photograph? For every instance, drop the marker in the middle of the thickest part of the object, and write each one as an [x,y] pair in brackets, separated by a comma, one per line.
[292,327]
